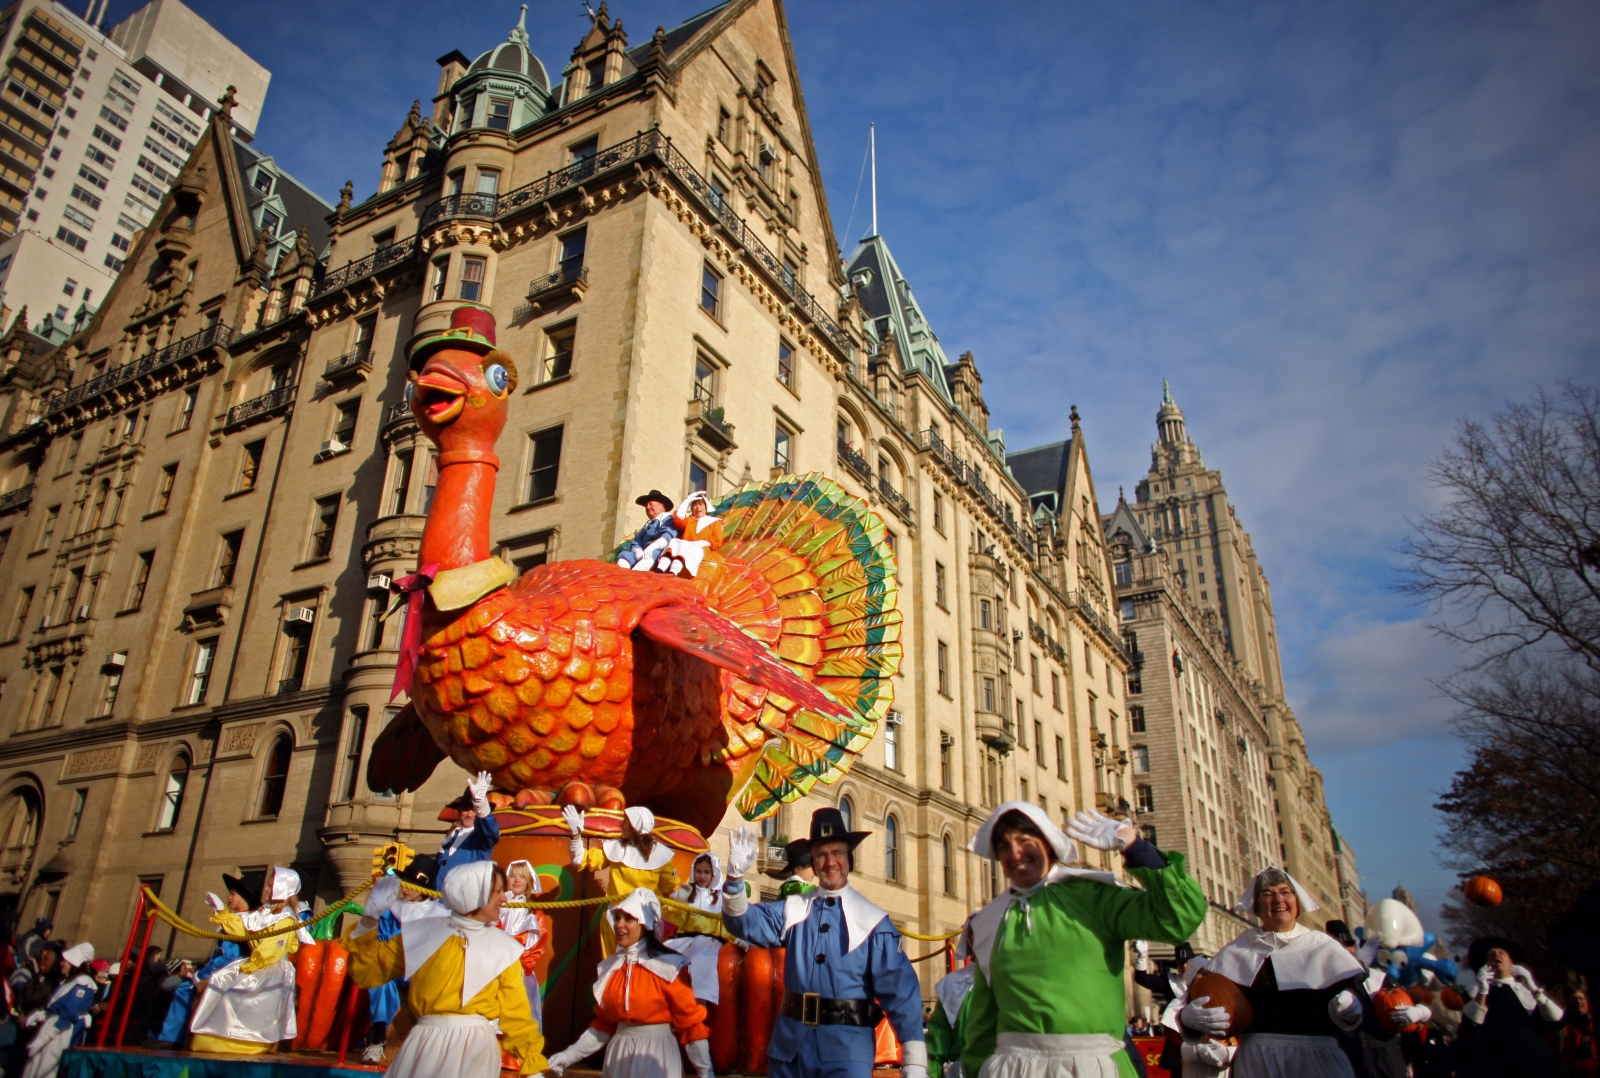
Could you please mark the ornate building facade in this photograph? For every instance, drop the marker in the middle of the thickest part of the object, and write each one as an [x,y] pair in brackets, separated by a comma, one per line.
[207,488]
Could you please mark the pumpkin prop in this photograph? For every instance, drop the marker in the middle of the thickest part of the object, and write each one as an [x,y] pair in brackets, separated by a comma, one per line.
[1482,891]
[1388,999]
[1221,992]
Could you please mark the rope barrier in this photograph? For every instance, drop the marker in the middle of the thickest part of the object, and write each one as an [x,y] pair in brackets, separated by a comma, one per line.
[933,954]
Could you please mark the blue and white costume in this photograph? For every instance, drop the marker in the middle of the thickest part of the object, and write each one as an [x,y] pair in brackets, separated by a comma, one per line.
[66,1016]
[656,534]
[466,845]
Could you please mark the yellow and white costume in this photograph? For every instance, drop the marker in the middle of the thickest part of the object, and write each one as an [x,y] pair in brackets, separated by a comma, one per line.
[466,979]
[248,1005]
[700,933]
[630,869]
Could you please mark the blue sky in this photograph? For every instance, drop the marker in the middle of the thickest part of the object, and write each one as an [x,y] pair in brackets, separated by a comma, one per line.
[1335,227]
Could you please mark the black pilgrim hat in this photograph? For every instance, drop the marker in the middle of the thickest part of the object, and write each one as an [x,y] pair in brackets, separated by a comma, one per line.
[654,496]
[797,855]
[247,887]
[1478,953]
[420,871]
[827,825]
[1182,953]
[1341,932]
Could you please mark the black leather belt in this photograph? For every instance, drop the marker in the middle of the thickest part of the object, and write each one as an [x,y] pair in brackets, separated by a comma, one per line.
[811,1009]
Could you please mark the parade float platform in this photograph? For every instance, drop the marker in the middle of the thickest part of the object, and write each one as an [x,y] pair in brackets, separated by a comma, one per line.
[152,1063]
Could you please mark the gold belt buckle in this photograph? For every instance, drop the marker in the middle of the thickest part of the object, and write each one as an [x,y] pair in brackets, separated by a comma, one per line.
[810,1008]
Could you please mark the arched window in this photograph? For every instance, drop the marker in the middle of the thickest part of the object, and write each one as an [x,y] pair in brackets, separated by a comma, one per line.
[172,794]
[949,865]
[276,776]
[848,811]
[21,836]
[891,848]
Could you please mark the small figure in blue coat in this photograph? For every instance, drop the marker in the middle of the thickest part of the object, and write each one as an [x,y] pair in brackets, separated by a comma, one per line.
[844,969]
[66,1016]
[650,540]
[475,834]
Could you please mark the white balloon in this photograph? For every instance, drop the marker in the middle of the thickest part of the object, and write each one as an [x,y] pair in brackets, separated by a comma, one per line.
[1394,923]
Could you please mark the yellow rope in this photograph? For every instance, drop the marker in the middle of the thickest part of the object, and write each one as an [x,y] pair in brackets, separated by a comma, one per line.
[160,910]
[931,939]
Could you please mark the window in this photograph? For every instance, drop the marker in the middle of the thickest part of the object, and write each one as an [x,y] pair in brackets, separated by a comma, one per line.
[172,794]
[705,381]
[499,115]
[1022,729]
[344,421]
[227,559]
[141,579]
[945,848]
[1055,689]
[488,181]
[1124,572]
[113,263]
[945,778]
[711,291]
[441,270]
[1022,789]
[573,245]
[1141,759]
[108,692]
[121,242]
[250,466]
[1136,719]
[938,512]
[891,743]
[719,195]
[544,464]
[108,138]
[891,847]
[847,809]
[270,222]
[1038,742]
[163,499]
[699,476]
[352,754]
[119,122]
[80,799]
[597,75]
[297,650]
[557,362]
[988,694]
[1033,672]
[583,155]
[19,616]
[1148,831]
[71,239]
[985,614]
[782,448]
[785,364]
[205,653]
[1144,798]
[322,528]
[724,122]
[472,278]
[1061,758]
[943,653]
[275,777]
[938,586]
[47,531]
[88,198]
[1088,659]
[263,181]
[400,483]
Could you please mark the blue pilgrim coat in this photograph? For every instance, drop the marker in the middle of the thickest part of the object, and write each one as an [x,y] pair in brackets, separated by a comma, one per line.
[72,1006]
[477,845]
[819,960]
[177,1020]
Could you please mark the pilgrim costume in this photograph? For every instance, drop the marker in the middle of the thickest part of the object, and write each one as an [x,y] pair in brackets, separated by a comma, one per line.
[465,982]
[947,1027]
[1373,1051]
[1048,1000]
[1504,1024]
[66,1016]
[644,1006]
[630,868]
[797,855]
[531,928]
[384,1001]
[466,845]
[700,536]
[1304,988]
[248,1004]
[650,540]
[1209,1058]
[843,970]
[700,934]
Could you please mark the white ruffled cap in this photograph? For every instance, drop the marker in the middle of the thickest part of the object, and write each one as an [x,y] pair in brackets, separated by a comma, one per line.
[79,954]
[468,888]
[1247,901]
[285,883]
[642,819]
[641,904]
[1066,850]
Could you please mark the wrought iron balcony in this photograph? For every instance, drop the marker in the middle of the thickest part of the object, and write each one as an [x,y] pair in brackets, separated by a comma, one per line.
[461,207]
[895,499]
[1108,635]
[357,362]
[715,429]
[15,500]
[260,406]
[856,462]
[214,335]
[568,282]
[398,412]
[362,268]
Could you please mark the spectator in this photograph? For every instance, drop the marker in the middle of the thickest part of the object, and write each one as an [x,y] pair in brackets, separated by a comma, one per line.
[34,940]
[179,989]
[146,1010]
[1578,1050]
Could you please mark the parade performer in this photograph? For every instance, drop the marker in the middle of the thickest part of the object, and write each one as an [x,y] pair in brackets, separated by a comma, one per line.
[531,928]
[797,874]
[947,1026]
[636,860]
[700,934]
[645,1005]
[1504,1024]
[183,998]
[701,534]
[650,540]
[384,1002]
[844,969]
[1048,998]
[465,978]
[248,1005]
[1374,1051]
[1304,989]
[475,834]
[1190,1058]
[66,1016]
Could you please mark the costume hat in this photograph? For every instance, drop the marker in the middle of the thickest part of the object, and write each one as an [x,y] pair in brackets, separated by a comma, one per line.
[1340,931]
[420,871]
[1183,952]
[1065,850]
[654,496]
[247,887]
[797,855]
[827,825]
[471,327]
[1478,953]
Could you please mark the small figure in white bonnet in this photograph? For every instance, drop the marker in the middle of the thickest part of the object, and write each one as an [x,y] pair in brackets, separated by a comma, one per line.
[636,859]
[66,1016]
[248,1005]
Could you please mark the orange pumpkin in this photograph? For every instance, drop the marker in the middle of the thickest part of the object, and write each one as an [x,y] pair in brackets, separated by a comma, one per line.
[1221,992]
[1482,891]
[1388,999]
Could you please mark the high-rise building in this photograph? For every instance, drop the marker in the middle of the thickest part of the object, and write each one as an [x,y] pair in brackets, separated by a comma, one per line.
[98,125]
[202,491]
[1352,899]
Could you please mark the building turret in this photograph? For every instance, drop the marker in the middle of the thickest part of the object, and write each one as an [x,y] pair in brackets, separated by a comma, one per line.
[1169,419]
[504,89]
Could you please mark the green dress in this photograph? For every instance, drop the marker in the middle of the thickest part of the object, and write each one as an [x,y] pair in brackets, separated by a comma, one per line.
[1064,974]
[944,1039]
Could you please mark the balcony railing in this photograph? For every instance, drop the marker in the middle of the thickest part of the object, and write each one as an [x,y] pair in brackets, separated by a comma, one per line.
[856,462]
[566,281]
[457,207]
[1108,635]
[359,360]
[12,501]
[970,477]
[216,334]
[713,421]
[396,412]
[896,500]
[361,268]
[260,406]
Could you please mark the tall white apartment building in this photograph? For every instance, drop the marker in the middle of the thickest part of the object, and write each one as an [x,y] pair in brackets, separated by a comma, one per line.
[96,126]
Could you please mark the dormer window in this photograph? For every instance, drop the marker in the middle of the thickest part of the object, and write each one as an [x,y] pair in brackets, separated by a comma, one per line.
[597,74]
[270,222]
[499,113]
[263,181]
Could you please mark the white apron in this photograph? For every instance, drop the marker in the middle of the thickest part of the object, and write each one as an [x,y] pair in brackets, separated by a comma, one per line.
[448,1046]
[1052,1055]
[1285,1055]
[643,1051]
[256,1007]
[702,952]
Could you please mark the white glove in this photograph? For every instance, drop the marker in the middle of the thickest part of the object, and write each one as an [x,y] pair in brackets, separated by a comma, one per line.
[1345,1010]
[214,902]
[742,846]
[1523,976]
[1141,955]
[1214,1053]
[699,1053]
[574,820]
[1403,1016]
[381,899]
[1207,1020]
[1101,832]
[1485,981]
[480,793]
[585,1046]
[1368,950]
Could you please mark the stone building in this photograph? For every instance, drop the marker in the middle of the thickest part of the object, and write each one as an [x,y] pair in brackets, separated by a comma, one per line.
[1352,899]
[210,483]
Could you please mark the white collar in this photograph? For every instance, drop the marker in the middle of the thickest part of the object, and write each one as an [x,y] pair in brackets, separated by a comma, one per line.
[987,921]
[860,915]
[405,912]
[1301,958]
[489,950]
[952,991]
[665,966]
[622,853]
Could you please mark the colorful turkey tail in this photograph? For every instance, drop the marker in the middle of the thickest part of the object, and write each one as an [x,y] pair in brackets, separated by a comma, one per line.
[824,556]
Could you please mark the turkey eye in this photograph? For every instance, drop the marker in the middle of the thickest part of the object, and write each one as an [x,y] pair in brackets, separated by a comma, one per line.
[498,379]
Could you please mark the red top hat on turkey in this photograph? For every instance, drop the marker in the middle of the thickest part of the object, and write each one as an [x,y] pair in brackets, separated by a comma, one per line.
[471,327]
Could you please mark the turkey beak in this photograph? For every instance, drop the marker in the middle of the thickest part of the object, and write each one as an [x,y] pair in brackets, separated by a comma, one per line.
[439,395]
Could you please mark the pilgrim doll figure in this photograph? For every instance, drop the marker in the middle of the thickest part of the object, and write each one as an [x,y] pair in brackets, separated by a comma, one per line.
[531,928]
[650,540]
[702,532]
[248,1005]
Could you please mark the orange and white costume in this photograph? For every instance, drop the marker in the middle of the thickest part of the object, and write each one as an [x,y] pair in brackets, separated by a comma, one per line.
[644,1007]
[700,534]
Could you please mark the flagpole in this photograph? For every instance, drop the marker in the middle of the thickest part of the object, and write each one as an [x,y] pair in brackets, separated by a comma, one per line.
[873,142]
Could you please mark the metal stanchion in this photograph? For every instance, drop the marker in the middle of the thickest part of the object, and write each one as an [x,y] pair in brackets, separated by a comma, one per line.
[144,947]
[122,972]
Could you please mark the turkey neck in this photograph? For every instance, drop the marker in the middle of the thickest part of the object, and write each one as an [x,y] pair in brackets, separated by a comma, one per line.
[457,531]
